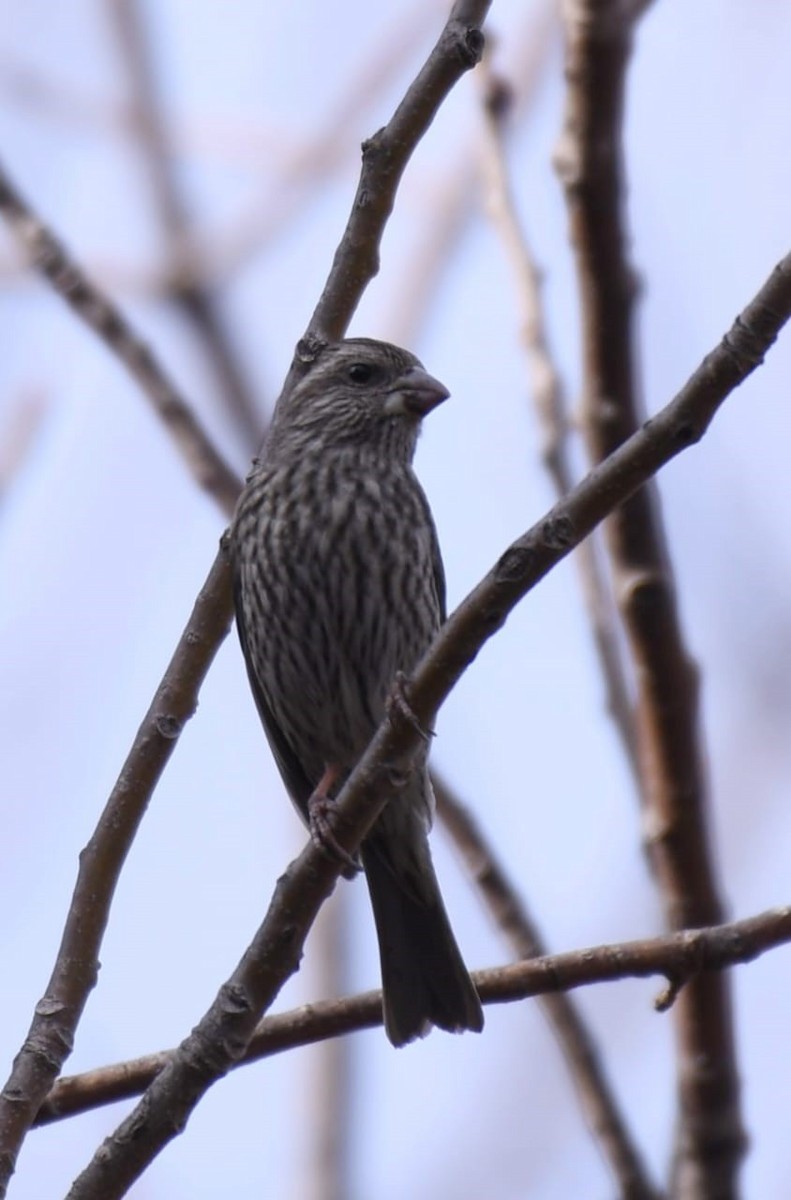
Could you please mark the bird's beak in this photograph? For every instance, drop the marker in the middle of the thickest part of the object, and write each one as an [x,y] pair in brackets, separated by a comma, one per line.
[415,392]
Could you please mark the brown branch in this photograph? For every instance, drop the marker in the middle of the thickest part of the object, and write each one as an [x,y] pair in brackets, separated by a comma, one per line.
[221,1037]
[678,956]
[57,1014]
[551,406]
[599,1104]
[97,311]
[184,273]
[710,1138]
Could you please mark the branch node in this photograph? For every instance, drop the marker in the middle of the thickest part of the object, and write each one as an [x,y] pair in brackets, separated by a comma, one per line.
[513,566]
[168,726]
[309,348]
[470,44]
[745,345]
[558,532]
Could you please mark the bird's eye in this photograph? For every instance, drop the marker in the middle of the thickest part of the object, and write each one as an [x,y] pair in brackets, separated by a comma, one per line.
[361,372]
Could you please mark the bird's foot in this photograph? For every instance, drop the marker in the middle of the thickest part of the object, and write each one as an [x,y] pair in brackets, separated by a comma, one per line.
[321,816]
[398,704]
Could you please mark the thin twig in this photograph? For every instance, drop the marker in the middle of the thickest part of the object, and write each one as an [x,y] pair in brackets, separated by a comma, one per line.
[710,1140]
[97,311]
[221,1037]
[184,272]
[678,956]
[588,1072]
[551,405]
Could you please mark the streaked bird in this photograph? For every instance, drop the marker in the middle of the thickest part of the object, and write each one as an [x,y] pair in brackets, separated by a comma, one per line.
[339,591]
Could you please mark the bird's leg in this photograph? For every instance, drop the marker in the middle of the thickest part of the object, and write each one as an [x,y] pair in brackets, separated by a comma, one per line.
[321,813]
[398,703]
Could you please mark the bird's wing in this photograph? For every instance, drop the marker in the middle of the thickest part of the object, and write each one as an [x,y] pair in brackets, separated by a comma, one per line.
[297,783]
[436,558]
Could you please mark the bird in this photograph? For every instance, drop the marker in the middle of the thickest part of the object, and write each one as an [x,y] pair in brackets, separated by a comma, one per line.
[339,589]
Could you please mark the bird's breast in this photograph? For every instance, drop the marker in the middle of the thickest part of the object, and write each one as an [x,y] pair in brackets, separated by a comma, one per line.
[342,565]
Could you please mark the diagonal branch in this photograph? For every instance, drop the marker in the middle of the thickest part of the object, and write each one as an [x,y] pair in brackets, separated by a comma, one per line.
[51,1036]
[710,1136]
[589,1075]
[96,310]
[221,1037]
[677,956]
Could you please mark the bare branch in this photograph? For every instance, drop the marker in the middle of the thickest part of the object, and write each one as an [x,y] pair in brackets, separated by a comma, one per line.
[678,956]
[710,1140]
[223,1034]
[51,1036]
[599,1104]
[97,311]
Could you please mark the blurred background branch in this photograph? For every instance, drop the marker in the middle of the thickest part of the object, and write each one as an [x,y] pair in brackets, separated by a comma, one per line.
[590,160]
[605,1118]
[92,306]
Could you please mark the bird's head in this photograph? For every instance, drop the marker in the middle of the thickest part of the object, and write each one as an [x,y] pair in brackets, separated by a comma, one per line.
[358,392]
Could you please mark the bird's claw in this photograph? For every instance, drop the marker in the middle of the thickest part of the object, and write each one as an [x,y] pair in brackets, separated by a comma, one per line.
[398,703]
[321,812]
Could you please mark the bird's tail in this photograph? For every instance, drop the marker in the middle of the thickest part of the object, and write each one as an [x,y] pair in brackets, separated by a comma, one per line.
[424,979]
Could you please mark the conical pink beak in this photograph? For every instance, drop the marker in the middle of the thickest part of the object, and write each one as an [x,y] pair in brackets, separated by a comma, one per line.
[418,392]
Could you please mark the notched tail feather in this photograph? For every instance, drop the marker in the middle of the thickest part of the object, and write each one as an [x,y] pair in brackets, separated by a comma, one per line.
[424,979]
